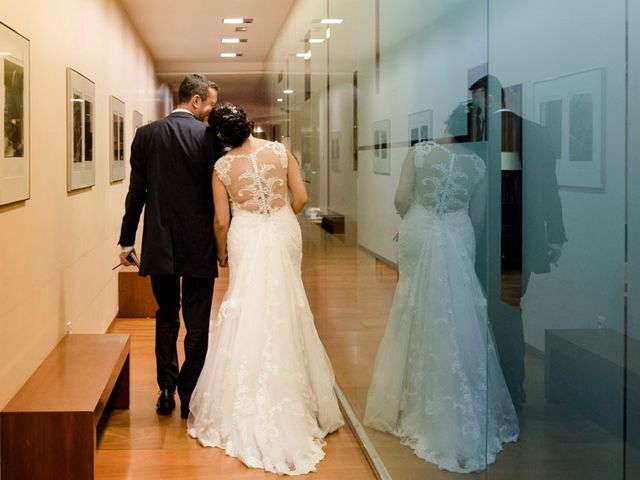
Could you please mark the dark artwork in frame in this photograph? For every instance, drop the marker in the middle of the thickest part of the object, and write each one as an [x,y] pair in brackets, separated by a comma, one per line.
[88,131]
[77,128]
[13,110]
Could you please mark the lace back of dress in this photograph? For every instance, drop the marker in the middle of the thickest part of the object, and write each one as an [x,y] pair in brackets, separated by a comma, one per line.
[257,181]
[445,176]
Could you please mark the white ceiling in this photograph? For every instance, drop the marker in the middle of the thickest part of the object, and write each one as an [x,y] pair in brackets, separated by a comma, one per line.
[184,36]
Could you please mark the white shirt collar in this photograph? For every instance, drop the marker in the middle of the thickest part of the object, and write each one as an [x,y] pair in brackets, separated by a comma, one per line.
[182,110]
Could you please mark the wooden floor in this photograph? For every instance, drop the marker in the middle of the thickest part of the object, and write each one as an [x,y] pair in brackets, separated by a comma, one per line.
[137,444]
[350,293]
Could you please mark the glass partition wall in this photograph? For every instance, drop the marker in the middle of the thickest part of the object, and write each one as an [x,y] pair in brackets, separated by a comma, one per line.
[472,241]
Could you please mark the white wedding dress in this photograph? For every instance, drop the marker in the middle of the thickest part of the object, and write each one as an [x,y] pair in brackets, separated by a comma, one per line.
[437,382]
[265,394]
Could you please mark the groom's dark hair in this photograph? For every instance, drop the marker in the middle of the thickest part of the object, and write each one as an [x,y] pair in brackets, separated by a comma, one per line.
[195,84]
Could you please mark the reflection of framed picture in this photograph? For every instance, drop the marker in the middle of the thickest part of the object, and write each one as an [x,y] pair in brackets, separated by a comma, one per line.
[420,126]
[14,122]
[117,169]
[571,108]
[335,152]
[381,147]
[81,98]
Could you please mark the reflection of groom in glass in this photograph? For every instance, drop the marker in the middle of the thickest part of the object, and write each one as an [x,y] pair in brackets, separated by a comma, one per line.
[529,183]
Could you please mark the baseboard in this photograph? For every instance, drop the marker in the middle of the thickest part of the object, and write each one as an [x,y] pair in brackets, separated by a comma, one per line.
[363,439]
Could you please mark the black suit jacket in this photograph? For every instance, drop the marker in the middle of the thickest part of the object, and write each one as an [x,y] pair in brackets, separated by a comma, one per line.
[542,221]
[171,165]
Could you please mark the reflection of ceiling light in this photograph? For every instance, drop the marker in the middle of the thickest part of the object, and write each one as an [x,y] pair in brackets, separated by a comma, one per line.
[331,21]
[230,54]
[279,100]
[77,100]
[258,129]
[306,55]
[236,21]
[316,40]
[287,92]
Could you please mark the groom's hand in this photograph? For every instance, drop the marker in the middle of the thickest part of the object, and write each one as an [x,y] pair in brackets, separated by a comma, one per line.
[224,262]
[123,258]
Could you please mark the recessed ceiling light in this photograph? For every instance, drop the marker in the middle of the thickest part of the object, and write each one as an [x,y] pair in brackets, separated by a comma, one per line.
[331,21]
[316,40]
[306,55]
[241,29]
[279,100]
[234,40]
[328,34]
[287,91]
[5,54]
[230,54]
[237,21]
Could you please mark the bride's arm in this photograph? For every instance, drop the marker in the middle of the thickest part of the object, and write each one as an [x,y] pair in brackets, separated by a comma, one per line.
[296,185]
[221,218]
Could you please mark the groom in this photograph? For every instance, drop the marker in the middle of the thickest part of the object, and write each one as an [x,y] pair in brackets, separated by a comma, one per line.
[541,221]
[171,166]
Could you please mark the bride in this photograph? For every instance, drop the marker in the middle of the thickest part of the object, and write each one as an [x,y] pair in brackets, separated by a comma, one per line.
[437,382]
[265,394]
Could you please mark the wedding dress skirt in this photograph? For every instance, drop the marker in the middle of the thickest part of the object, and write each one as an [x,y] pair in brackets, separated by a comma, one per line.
[437,382]
[265,394]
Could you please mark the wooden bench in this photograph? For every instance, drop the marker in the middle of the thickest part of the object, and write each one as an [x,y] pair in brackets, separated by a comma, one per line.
[49,428]
[333,222]
[135,297]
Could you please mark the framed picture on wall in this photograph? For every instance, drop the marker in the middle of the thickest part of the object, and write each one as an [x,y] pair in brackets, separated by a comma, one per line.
[571,109]
[117,169]
[81,101]
[14,122]
[381,147]
[420,126]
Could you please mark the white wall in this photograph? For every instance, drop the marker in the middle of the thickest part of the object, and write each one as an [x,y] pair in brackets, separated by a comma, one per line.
[427,48]
[424,69]
[345,47]
[57,249]
[307,119]
[633,142]
[528,42]
[533,41]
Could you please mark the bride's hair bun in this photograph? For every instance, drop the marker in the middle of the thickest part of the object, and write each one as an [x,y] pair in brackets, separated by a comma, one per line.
[230,124]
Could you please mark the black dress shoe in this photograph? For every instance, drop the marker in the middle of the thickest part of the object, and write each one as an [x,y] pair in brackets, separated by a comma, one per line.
[166,402]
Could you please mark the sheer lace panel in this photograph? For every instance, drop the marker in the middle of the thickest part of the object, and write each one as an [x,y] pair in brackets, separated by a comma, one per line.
[445,176]
[256,181]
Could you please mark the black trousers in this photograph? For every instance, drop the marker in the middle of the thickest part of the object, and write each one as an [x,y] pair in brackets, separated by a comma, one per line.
[197,294]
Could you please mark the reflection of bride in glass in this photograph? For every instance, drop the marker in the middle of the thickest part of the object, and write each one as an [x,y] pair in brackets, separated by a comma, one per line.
[437,382]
